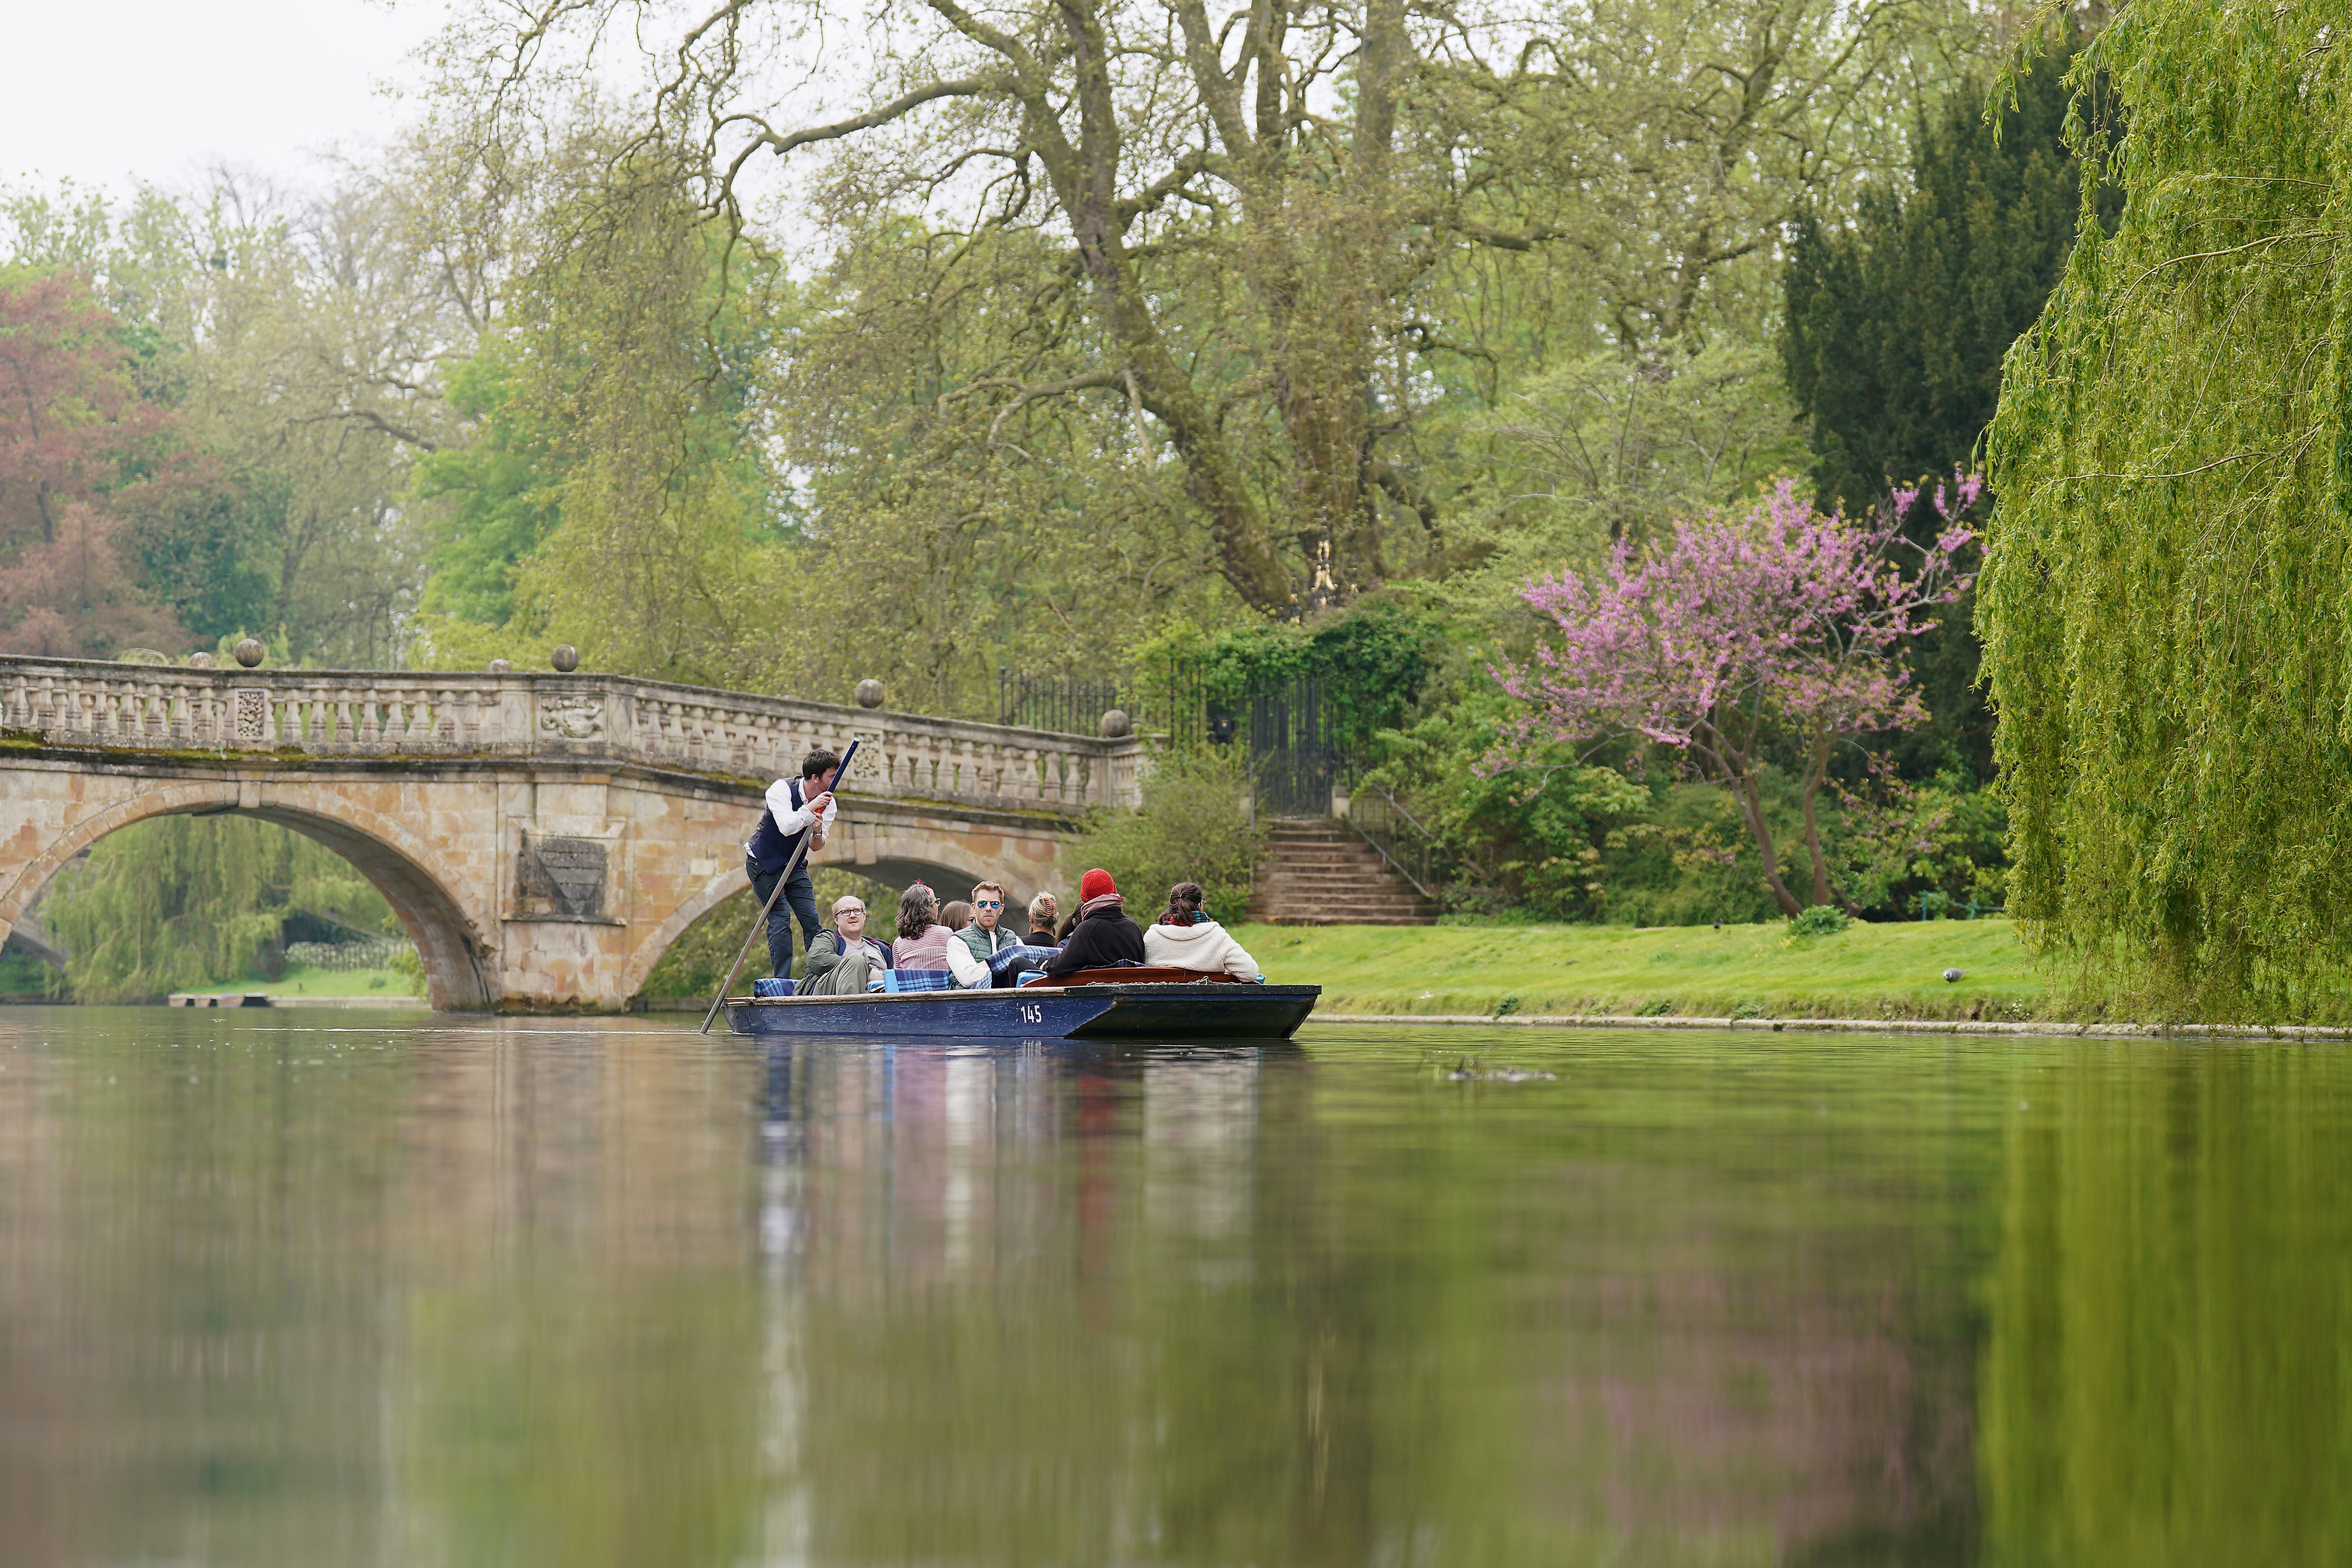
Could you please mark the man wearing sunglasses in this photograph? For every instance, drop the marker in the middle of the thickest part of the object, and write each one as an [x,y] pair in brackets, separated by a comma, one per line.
[987,935]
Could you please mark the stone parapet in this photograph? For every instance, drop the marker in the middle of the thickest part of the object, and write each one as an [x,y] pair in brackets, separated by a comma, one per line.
[579,719]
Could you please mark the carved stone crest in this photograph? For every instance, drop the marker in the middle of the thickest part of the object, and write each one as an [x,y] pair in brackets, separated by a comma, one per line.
[574,717]
[252,715]
[563,878]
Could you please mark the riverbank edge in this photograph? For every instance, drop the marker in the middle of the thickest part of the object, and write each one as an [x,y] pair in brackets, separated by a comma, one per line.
[1859,1025]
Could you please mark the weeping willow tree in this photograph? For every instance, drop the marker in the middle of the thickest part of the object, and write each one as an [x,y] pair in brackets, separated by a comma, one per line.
[178,902]
[2165,600]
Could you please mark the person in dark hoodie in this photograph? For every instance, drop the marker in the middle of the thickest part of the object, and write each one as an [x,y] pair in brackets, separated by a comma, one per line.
[1103,934]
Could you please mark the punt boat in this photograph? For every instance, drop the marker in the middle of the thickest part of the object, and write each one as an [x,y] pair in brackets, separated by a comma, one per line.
[1138,1003]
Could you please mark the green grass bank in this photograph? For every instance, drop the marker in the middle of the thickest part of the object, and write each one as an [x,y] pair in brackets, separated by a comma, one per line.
[391,985]
[1863,972]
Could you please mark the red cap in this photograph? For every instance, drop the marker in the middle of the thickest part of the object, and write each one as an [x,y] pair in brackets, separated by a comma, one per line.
[1095,884]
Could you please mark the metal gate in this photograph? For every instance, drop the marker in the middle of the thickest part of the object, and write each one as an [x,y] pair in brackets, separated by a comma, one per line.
[1292,757]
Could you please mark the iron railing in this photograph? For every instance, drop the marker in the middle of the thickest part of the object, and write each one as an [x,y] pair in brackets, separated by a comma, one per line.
[1380,820]
[1066,705]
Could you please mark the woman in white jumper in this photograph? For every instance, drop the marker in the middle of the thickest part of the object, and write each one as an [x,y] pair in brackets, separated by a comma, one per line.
[1184,937]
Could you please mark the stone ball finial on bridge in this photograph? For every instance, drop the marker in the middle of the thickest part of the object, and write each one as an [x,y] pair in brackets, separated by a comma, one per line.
[567,657]
[1116,725]
[869,693]
[249,652]
[201,661]
[501,667]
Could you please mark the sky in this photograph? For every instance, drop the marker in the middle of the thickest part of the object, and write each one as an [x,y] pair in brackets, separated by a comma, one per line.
[161,89]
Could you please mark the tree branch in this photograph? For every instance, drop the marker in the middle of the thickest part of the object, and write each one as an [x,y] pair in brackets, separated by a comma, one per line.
[1051,389]
[962,86]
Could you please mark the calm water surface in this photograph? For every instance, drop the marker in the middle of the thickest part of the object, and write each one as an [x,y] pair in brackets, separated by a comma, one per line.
[323,1288]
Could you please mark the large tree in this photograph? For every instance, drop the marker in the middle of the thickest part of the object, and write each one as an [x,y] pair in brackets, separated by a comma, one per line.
[74,435]
[1271,215]
[2164,603]
[296,339]
[1897,320]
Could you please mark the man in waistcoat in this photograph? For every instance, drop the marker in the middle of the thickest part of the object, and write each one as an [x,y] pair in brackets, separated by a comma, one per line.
[796,807]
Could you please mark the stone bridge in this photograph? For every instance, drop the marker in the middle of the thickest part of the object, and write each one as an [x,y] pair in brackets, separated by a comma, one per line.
[543,838]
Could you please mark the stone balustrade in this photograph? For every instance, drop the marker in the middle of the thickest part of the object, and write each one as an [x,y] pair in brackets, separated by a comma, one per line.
[292,713]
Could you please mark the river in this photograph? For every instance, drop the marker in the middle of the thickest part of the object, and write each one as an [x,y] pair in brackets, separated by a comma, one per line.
[324,1288]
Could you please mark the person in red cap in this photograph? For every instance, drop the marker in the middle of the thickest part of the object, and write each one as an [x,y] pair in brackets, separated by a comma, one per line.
[1104,935]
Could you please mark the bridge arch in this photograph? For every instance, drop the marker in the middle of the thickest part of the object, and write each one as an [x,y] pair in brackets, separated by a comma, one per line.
[379,848]
[704,900]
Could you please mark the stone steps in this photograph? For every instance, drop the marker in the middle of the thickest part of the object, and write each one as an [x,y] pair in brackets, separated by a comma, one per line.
[1319,873]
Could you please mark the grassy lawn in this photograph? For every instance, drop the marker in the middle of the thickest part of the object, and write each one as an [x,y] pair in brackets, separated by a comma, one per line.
[1864,972]
[389,983]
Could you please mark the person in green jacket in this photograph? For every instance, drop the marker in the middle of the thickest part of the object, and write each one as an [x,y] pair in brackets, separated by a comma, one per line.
[987,936]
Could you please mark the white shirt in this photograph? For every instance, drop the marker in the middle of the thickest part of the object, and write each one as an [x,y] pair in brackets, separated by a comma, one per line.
[791,819]
[971,973]
[1203,946]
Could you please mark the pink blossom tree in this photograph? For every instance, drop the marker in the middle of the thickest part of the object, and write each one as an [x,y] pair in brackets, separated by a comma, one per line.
[1778,630]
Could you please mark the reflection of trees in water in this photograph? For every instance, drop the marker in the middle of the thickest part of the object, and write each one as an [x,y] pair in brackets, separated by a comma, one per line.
[2169,1377]
[535,1295]
[300,1298]
[587,1356]
[1083,1305]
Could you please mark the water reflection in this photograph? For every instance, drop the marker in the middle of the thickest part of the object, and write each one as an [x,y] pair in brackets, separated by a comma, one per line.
[2169,1376]
[312,1288]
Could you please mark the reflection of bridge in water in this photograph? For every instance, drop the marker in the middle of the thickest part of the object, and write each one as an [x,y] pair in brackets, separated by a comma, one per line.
[544,839]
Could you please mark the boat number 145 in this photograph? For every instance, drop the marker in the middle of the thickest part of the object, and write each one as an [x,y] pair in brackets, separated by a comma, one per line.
[1031,1014]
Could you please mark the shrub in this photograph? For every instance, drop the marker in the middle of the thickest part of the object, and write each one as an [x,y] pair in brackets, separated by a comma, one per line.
[1193,826]
[1820,919]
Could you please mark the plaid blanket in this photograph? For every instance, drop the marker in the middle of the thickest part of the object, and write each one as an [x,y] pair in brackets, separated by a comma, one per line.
[919,980]
[773,987]
[1009,960]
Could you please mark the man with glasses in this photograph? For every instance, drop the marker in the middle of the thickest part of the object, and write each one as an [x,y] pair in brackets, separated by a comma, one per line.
[988,937]
[842,960]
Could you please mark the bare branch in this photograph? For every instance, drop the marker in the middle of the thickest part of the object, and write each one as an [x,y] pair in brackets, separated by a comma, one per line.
[962,86]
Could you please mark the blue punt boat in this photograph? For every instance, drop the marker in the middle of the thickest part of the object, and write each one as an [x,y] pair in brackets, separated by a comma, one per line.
[1113,1010]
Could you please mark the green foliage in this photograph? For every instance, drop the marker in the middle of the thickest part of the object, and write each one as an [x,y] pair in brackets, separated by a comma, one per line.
[1898,848]
[198,550]
[1370,659]
[946,535]
[1690,860]
[1607,445]
[23,975]
[1897,319]
[2164,601]
[1192,827]
[1535,840]
[1897,323]
[179,902]
[492,494]
[622,501]
[290,347]
[1819,920]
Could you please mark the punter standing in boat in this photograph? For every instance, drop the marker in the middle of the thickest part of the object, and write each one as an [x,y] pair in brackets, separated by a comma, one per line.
[1103,935]
[796,807]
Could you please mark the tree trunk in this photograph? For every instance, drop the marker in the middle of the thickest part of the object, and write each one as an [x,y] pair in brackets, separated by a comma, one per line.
[1821,894]
[1750,796]
[1085,182]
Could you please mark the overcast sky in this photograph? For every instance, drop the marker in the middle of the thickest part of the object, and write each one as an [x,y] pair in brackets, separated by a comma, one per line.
[157,90]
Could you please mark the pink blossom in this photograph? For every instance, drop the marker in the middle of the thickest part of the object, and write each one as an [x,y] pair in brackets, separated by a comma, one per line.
[1782,623]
